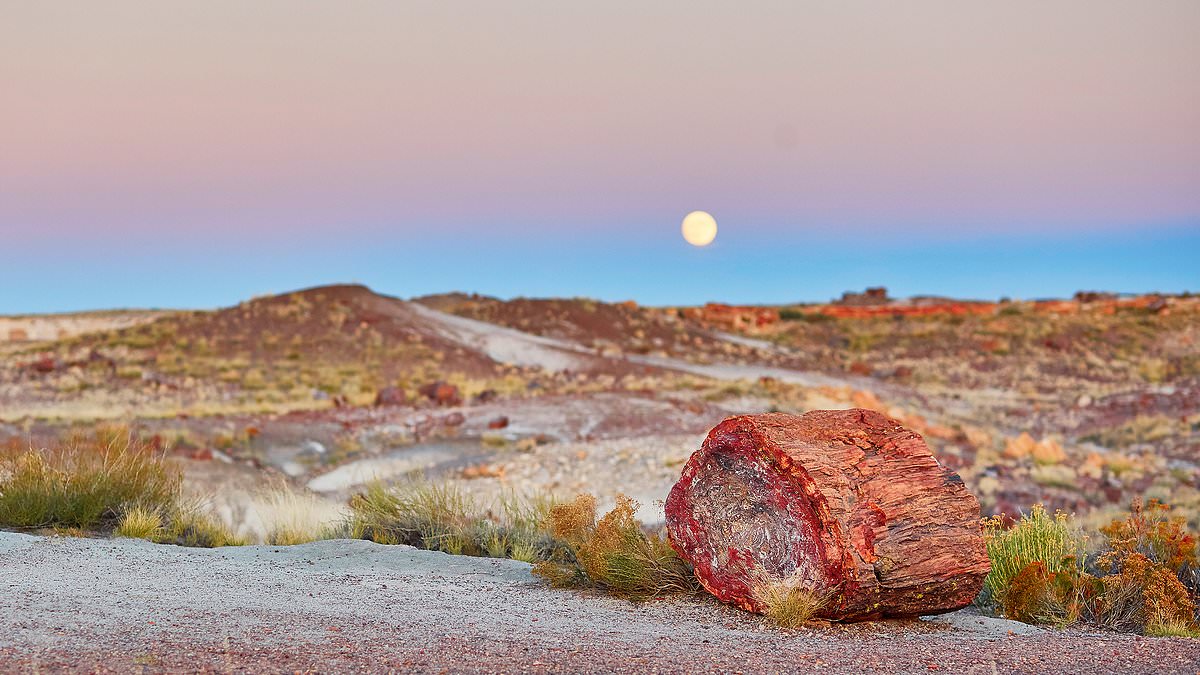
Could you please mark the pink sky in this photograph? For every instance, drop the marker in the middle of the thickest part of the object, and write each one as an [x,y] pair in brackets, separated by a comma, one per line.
[124,117]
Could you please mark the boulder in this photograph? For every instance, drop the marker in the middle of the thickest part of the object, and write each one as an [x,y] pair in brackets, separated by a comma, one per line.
[847,504]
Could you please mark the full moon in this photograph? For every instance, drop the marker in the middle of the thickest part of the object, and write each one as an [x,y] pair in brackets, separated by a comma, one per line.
[699,228]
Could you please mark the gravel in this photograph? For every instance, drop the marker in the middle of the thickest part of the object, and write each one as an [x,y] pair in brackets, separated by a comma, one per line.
[89,605]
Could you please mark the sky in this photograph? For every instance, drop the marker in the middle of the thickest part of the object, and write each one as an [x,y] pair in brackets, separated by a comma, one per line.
[182,154]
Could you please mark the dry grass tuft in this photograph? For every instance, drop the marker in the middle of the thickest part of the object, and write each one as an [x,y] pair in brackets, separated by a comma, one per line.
[192,525]
[291,517]
[140,522]
[443,518]
[789,605]
[106,481]
[420,514]
[613,553]
[88,483]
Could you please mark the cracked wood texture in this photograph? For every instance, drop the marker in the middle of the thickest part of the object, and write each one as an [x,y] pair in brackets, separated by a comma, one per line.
[846,502]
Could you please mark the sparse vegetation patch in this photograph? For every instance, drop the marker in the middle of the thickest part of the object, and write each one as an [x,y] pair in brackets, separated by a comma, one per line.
[1144,578]
[89,483]
[613,553]
[109,482]
[441,517]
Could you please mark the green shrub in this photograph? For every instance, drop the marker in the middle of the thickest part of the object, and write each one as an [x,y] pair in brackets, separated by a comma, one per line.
[800,315]
[1037,537]
[1136,583]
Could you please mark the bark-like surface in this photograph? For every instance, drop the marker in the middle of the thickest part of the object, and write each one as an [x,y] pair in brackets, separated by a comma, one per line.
[846,502]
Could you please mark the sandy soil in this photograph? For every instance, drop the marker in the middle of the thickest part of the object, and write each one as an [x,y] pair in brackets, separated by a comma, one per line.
[84,605]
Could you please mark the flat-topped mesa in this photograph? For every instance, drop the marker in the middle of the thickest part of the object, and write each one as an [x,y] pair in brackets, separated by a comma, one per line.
[846,503]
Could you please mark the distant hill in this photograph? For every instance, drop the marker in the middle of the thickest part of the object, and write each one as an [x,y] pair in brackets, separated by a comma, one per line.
[341,343]
[621,327]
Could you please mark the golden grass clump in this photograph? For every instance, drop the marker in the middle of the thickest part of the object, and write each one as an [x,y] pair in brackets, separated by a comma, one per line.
[613,553]
[789,605]
[89,482]
[140,522]
[190,525]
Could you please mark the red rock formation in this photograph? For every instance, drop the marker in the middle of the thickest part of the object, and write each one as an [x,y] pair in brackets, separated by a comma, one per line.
[732,317]
[846,502]
[901,309]
[872,296]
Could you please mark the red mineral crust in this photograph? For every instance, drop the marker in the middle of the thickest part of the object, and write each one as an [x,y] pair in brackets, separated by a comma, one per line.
[845,502]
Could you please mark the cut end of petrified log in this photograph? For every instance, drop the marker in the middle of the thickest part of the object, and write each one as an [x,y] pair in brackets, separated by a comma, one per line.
[846,503]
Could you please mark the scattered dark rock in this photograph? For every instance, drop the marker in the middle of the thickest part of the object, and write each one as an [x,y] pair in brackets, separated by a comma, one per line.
[872,296]
[860,368]
[45,364]
[390,396]
[1094,296]
[1058,343]
[441,393]
[498,423]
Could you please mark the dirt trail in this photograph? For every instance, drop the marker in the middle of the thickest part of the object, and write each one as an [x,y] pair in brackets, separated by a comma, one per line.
[127,606]
[509,345]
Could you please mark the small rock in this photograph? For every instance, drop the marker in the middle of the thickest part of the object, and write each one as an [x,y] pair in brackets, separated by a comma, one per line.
[482,471]
[390,396]
[312,448]
[441,393]
[498,423]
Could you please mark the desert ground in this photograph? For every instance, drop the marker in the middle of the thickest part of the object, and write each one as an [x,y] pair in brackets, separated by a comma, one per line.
[1078,404]
[83,605]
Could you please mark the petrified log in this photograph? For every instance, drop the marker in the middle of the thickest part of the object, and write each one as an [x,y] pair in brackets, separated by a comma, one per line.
[846,503]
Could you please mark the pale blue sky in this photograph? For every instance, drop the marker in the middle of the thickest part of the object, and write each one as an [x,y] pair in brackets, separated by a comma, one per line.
[162,152]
